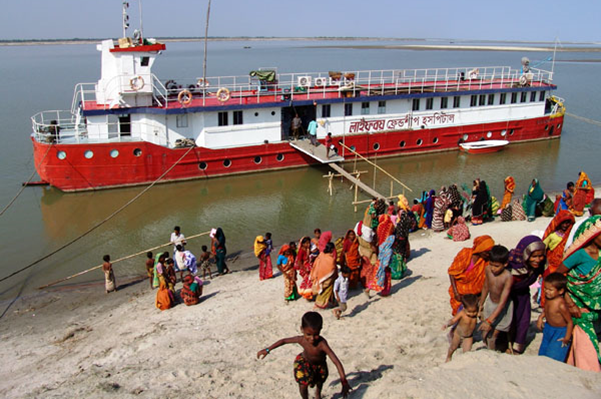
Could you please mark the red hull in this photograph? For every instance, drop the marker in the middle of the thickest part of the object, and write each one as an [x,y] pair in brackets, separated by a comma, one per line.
[77,173]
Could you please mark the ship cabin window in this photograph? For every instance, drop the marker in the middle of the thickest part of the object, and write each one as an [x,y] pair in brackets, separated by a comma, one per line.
[365,108]
[523,97]
[181,120]
[237,116]
[533,97]
[541,96]
[473,100]
[429,103]
[482,99]
[415,104]
[444,102]
[144,62]
[457,102]
[514,98]
[491,99]
[222,119]
[326,110]
[348,109]
[125,125]
[503,99]
[381,107]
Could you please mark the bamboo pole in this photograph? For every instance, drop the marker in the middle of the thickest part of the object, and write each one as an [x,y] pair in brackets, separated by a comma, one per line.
[116,261]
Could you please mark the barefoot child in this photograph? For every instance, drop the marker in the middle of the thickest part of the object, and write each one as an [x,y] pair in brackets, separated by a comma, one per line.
[557,330]
[310,367]
[496,310]
[464,324]
[341,290]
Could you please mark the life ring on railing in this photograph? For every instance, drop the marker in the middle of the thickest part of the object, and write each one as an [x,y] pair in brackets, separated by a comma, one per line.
[184,97]
[203,82]
[136,83]
[223,94]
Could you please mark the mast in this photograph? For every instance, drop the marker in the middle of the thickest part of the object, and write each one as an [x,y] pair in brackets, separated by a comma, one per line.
[204,62]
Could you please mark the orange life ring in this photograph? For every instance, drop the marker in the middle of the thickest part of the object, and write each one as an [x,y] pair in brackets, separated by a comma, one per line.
[136,83]
[184,97]
[223,94]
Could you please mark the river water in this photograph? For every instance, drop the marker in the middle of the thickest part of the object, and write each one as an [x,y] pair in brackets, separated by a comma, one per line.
[289,203]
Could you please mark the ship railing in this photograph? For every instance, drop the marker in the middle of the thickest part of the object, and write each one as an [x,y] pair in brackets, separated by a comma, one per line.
[55,125]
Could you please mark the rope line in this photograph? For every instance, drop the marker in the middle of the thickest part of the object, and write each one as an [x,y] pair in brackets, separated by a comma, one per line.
[100,223]
[582,118]
[26,183]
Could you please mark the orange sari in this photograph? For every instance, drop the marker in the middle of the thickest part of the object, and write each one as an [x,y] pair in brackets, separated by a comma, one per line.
[509,189]
[469,277]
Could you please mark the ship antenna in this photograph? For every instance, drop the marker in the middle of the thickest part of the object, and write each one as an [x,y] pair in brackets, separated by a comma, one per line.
[125,17]
[204,62]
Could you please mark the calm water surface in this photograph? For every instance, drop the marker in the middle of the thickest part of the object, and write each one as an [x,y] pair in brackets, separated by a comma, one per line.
[289,203]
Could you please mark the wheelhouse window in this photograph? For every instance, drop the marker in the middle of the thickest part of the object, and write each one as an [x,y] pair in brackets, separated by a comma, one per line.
[503,98]
[326,110]
[457,102]
[541,96]
[237,116]
[348,109]
[473,100]
[482,100]
[222,119]
[444,102]
[514,98]
[181,120]
[365,108]
[491,99]
[523,97]
[429,103]
[415,106]
[381,107]
[533,97]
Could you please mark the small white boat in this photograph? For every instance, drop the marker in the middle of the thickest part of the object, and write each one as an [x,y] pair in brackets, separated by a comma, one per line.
[484,146]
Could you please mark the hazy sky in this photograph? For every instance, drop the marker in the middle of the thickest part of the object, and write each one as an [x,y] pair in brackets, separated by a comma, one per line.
[533,20]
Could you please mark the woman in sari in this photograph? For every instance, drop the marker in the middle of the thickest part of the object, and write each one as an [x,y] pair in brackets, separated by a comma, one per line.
[582,264]
[459,231]
[533,198]
[467,270]
[509,189]
[219,250]
[381,274]
[584,193]
[285,264]
[323,275]
[480,205]
[303,266]
[441,204]
[526,262]
[352,259]
[429,209]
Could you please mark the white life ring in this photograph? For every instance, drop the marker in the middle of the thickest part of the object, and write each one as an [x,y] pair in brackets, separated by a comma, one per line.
[223,94]
[203,82]
[184,97]
[136,83]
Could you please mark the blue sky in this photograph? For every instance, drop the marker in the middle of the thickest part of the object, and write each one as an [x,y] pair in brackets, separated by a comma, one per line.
[458,19]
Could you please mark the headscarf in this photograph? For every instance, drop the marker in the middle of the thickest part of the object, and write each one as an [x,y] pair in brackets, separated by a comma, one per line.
[260,245]
[588,231]
[385,226]
[535,192]
[324,238]
[482,244]
[519,256]
[403,202]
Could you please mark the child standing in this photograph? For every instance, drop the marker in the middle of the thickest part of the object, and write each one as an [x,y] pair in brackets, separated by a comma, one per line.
[150,267]
[496,310]
[464,324]
[110,284]
[310,367]
[205,262]
[341,291]
[557,330]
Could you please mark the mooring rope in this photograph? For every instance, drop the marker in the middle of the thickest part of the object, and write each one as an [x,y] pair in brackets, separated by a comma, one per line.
[100,223]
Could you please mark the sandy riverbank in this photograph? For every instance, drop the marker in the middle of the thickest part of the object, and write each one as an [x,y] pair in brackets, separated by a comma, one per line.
[87,343]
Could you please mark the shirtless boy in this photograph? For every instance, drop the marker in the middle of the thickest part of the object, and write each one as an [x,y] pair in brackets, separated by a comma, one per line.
[464,324]
[310,367]
[496,310]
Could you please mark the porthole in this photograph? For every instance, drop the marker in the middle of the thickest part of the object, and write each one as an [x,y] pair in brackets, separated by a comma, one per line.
[503,133]
[258,160]
[488,135]
[256,114]
[402,144]
[465,137]
[511,132]
[137,152]
[272,113]
[420,141]
[227,163]
[435,140]
[202,166]
[61,155]
[376,146]
[279,157]
[88,154]
[558,125]
[114,153]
